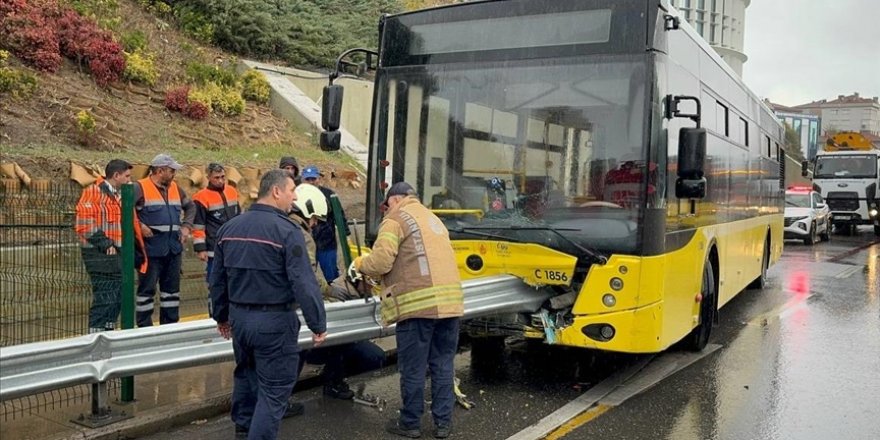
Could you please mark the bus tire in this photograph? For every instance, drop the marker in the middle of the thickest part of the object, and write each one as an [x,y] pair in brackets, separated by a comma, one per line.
[697,339]
[761,281]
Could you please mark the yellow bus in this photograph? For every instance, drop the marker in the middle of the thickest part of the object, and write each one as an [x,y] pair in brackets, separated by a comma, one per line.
[599,147]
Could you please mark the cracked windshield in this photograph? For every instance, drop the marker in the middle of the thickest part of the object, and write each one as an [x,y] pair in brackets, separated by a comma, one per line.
[550,152]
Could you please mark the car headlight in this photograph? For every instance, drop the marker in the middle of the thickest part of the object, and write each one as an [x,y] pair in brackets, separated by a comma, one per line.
[796,219]
[873,212]
[802,226]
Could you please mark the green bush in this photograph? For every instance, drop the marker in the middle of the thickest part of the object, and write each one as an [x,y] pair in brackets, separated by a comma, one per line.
[305,32]
[255,87]
[222,100]
[85,122]
[202,74]
[15,82]
[134,41]
[194,24]
[140,67]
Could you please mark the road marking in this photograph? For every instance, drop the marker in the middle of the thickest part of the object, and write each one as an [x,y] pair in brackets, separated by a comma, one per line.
[780,311]
[578,421]
[609,393]
[846,273]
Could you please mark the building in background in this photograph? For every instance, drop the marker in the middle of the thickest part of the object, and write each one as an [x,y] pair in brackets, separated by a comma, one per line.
[847,113]
[721,23]
[807,126]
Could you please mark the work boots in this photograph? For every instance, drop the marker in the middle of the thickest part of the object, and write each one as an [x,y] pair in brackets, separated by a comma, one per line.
[338,390]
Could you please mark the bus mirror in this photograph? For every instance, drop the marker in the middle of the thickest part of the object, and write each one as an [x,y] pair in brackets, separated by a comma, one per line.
[330,140]
[691,153]
[805,168]
[690,188]
[331,107]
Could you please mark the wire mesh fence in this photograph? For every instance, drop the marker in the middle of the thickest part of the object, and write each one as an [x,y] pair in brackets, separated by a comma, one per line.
[46,293]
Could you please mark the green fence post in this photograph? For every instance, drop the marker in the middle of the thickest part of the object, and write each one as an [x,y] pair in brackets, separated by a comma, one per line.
[340,229]
[127,393]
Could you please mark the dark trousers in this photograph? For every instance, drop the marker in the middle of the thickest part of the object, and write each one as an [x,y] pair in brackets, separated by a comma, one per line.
[166,271]
[327,260]
[266,359]
[106,278]
[344,360]
[208,267]
[424,344]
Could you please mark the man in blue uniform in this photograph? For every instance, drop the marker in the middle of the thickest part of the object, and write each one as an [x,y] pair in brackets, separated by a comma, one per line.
[261,268]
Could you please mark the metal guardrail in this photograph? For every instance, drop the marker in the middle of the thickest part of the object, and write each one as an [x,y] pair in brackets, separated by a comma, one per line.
[43,366]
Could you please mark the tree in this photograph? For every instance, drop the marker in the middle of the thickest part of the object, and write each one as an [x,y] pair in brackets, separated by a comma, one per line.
[793,143]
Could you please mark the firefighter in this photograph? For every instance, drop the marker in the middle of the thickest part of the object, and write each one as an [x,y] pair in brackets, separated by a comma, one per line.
[309,209]
[261,273]
[422,293]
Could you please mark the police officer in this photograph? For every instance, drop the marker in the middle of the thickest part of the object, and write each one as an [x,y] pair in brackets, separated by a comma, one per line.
[422,293]
[261,268]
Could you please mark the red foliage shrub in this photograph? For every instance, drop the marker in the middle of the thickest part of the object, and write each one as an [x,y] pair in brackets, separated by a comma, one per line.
[196,110]
[176,99]
[40,31]
[84,42]
[27,29]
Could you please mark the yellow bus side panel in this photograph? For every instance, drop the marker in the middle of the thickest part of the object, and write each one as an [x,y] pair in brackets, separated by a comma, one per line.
[657,305]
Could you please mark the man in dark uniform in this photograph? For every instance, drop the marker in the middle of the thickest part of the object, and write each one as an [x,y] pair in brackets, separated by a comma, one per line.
[261,268]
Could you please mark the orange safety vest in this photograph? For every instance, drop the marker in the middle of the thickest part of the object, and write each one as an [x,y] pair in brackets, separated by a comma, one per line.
[98,211]
[213,209]
[162,216]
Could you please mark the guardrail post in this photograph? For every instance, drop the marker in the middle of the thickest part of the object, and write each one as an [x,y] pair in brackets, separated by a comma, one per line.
[101,414]
[127,391]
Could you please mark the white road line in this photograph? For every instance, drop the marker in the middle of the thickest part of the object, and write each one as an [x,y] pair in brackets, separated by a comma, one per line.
[846,273]
[615,389]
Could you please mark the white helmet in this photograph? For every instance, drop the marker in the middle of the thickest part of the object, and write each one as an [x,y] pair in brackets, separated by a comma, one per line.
[310,201]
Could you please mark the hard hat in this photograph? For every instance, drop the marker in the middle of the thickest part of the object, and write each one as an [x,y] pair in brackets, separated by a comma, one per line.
[310,201]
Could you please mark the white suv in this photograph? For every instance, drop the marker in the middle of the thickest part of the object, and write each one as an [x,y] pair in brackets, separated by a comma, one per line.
[807,217]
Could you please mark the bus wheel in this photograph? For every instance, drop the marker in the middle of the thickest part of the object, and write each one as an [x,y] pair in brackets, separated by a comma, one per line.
[697,339]
[761,281]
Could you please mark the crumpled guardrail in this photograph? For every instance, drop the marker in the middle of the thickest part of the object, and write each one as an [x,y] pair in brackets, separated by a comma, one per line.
[32,368]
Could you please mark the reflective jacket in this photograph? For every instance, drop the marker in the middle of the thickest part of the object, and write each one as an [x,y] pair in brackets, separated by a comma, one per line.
[414,259]
[160,209]
[214,207]
[99,221]
[312,251]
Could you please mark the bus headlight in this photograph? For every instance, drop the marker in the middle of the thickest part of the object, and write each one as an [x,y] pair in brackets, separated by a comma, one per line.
[873,212]
[616,283]
[609,300]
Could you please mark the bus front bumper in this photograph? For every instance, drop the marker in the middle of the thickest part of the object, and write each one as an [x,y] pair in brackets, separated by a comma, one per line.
[636,330]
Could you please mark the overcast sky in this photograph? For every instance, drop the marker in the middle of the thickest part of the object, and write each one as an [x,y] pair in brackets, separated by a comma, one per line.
[805,50]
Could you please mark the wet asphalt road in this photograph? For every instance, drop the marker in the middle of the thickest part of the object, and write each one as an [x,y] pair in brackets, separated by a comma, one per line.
[798,360]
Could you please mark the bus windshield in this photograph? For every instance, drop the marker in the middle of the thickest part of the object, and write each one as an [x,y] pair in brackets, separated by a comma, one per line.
[847,167]
[549,151]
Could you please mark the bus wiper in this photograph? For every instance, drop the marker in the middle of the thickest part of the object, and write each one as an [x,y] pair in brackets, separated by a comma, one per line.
[470,231]
[596,256]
